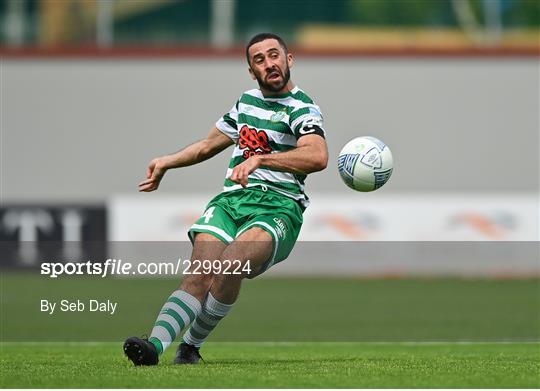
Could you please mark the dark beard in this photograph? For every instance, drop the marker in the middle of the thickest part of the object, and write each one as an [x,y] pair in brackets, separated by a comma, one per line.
[273,88]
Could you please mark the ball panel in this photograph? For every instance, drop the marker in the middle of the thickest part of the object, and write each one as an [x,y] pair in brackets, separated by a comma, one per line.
[361,185]
[381,177]
[346,164]
[387,159]
[372,158]
[377,142]
[364,180]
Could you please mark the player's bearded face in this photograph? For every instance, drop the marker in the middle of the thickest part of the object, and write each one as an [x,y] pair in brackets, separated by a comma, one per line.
[273,78]
[270,65]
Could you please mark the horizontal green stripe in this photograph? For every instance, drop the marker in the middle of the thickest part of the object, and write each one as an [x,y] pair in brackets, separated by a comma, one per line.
[240,159]
[176,316]
[168,327]
[183,305]
[196,334]
[157,343]
[203,325]
[289,187]
[258,123]
[231,122]
[263,104]
[300,95]
[236,161]
[280,147]
[298,113]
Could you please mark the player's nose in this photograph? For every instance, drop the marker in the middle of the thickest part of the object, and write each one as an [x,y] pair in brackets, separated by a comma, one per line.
[271,68]
[269,65]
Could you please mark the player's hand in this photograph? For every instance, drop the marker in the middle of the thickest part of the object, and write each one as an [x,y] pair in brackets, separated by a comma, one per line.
[241,172]
[154,173]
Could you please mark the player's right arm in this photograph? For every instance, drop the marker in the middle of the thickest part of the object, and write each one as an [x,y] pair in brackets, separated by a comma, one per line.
[215,142]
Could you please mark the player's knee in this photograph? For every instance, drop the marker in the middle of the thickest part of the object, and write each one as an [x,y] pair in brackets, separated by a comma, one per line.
[202,280]
[205,237]
[197,285]
[227,279]
[246,257]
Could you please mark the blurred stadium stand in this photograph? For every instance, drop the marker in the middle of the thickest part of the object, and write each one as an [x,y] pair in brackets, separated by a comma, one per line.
[351,24]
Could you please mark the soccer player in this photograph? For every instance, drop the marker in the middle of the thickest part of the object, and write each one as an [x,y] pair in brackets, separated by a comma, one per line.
[278,137]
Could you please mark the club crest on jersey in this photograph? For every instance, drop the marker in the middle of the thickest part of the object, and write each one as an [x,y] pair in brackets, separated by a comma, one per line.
[255,142]
[278,116]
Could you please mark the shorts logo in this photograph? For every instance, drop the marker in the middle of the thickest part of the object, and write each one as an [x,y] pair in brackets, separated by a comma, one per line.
[255,141]
[281,227]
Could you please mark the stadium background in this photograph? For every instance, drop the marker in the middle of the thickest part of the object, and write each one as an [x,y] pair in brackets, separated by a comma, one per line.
[92,90]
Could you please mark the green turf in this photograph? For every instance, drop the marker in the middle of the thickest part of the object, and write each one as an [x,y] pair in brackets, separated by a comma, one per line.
[300,310]
[277,365]
[271,309]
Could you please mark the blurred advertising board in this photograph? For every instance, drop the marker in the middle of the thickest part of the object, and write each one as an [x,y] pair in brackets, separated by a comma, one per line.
[363,235]
[32,233]
[356,217]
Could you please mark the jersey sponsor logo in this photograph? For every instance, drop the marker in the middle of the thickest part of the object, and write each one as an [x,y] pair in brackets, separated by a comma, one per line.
[255,142]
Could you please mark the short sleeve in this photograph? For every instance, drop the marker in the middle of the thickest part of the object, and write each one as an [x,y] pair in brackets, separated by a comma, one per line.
[228,123]
[307,120]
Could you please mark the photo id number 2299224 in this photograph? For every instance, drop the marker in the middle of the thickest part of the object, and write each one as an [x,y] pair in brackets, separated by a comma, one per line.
[207,266]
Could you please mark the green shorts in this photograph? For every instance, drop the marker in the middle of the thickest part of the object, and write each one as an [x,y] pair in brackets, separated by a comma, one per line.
[230,214]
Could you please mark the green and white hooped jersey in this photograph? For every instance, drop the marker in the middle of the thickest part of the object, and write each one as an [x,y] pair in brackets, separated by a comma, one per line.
[261,125]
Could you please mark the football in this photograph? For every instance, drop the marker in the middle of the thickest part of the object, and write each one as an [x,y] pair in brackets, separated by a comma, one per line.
[365,163]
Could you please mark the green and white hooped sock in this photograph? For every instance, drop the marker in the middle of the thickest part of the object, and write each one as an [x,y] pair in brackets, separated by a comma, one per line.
[212,312]
[178,312]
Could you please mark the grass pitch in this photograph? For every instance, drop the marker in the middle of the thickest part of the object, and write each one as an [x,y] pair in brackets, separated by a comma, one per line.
[285,309]
[277,365]
[302,311]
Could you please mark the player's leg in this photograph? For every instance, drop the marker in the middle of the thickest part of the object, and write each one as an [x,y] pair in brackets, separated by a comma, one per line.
[266,238]
[255,247]
[184,305]
[180,309]
[205,246]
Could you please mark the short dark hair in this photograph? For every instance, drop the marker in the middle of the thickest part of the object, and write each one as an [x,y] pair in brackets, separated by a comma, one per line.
[262,37]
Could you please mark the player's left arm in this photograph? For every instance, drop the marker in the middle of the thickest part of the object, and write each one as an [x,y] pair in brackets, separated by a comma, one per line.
[310,155]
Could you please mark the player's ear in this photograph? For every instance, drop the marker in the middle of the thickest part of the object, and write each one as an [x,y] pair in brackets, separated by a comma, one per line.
[251,73]
[290,60]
